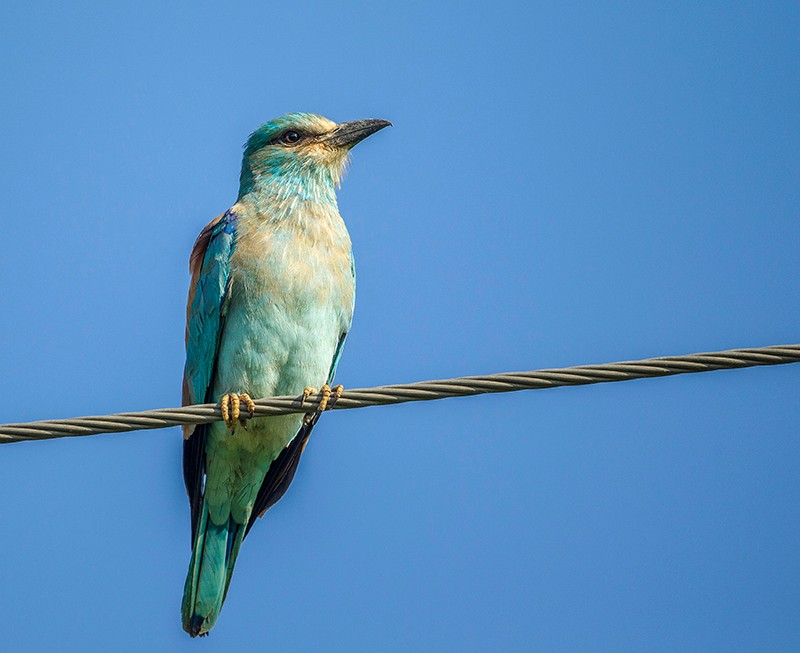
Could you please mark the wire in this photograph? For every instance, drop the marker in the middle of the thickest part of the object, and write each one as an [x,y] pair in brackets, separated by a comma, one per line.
[422,391]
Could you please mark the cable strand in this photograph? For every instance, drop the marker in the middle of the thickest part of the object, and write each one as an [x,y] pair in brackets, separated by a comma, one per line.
[408,392]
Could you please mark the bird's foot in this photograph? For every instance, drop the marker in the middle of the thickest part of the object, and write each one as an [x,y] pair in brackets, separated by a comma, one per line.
[328,398]
[230,406]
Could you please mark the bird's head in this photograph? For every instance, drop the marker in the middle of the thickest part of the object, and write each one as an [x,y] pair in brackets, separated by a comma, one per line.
[301,148]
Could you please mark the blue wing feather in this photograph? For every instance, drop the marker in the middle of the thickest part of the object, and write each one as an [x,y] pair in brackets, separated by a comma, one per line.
[205,314]
[340,345]
[336,356]
[207,307]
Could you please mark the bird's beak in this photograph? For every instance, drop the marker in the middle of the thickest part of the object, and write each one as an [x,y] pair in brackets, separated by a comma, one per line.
[347,134]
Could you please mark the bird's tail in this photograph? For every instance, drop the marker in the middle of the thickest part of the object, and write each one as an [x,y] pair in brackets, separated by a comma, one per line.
[214,553]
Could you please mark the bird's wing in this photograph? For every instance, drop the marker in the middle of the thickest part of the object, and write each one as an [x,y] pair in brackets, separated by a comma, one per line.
[281,471]
[205,317]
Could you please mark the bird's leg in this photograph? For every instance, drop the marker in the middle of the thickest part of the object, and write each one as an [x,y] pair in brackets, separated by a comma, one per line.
[337,390]
[325,391]
[230,406]
[325,402]
[310,390]
[251,408]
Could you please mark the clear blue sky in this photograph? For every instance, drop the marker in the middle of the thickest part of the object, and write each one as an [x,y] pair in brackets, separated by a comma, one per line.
[564,184]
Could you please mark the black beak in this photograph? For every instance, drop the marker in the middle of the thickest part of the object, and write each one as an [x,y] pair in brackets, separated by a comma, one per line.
[347,134]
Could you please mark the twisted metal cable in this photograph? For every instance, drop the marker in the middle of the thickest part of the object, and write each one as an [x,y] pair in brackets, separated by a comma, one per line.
[422,391]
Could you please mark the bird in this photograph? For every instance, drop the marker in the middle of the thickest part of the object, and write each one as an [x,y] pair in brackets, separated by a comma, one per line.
[270,305]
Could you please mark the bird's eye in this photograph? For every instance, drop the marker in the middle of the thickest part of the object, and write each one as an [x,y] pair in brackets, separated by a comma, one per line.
[290,137]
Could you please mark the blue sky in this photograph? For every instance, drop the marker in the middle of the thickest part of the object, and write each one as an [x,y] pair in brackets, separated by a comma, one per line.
[564,184]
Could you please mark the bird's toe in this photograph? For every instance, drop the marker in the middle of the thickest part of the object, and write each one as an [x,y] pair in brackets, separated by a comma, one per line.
[231,408]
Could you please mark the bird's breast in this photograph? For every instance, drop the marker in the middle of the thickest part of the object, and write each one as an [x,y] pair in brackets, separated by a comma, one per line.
[295,264]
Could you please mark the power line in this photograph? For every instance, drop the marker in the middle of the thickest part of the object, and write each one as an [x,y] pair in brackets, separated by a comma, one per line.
[422,391]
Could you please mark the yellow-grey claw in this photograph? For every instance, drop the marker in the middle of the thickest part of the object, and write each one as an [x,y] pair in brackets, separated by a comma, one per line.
[337,390]
[328,397]
[250,405]
[309,390]
[230,407]
[325,391]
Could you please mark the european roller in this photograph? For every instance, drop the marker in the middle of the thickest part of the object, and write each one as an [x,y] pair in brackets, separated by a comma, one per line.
[270,304]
